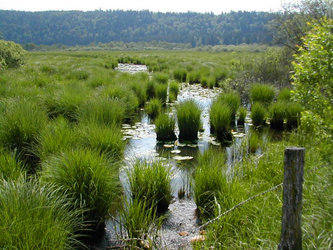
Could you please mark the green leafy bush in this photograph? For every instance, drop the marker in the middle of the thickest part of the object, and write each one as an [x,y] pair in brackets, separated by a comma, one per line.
[12,55]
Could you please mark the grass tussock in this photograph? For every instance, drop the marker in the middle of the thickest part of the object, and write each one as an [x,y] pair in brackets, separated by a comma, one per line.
[220,120]
[88,178]
[242,112]
[150,183]
[102,111]
[188,115]
[161,92]
[10,167]
[232,99]
[277,113]
[262,93]
[258,114]
[20,126]
[165,128]
[34,216]
[153,108]
[173,91]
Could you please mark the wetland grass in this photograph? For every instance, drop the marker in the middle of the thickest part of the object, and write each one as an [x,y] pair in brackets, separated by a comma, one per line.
[165,128]
[232,99]
[173,91]
[210,182]
[277,113]
[188,115]
[34,216]
[11,168]
[20,126]
[262,93]
[220,119]
[151,184]
[242,112]
[258,114]
[161,92]
[89,179]
[154,107]
[293,114]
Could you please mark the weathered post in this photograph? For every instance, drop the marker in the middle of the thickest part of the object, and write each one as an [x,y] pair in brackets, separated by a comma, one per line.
[291,234]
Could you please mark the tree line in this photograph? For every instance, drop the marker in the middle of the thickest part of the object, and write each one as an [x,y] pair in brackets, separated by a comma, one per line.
[84,28]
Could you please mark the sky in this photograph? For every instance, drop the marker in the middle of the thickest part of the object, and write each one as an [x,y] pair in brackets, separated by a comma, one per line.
[215,6]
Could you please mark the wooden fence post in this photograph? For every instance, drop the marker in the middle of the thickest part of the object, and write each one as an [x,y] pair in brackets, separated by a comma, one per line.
[291,233]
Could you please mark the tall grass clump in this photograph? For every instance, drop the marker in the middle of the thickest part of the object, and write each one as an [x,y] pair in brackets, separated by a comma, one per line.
[242,112]
[101,110]
[88,178]
[140,223]
[125,95]
[210,182]
[150,90]
[188,115]
[151,183]
[161,92]
[65,102]
[106,140]
[258,114]
[254,141]
[57,136]
[220,118]
[262,93]
[140,92]
[10,167]
[33,216]
[20,126]
[293,114]
[153,108]
[165,128]
[173,91]
[180,75]
[162,78]
[231,99]
[277,113]
[284,95]
[193,77]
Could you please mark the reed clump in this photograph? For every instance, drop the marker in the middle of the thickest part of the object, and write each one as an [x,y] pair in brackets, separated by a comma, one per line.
[165,128]
[188,115]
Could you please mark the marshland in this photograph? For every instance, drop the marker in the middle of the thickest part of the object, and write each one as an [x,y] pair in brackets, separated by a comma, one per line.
[139,149]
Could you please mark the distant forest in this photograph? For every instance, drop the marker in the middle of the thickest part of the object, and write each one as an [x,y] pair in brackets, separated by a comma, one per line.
[83,28]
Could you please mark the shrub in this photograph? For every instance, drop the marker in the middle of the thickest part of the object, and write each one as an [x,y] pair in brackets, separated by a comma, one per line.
[106,140]
[154,108]
[210,182]
[258,114]
[150,183]
[165,128]
[231,99]
[242,112]
[35,217]
[173,91]
[88,178]
[104,111]
[20,126]
[293,114]
[161,92]
[188,115]
[180,75]
[262,93]
[277,113]
[10,167]
[12,55]
[220,118]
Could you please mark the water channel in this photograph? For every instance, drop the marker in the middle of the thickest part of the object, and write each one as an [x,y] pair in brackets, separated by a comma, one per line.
[181,224]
